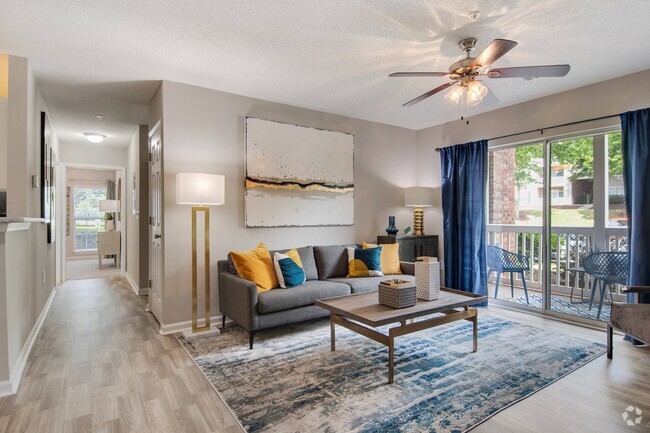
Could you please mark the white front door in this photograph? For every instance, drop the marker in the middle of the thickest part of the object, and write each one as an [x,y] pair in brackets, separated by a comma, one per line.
[155,222]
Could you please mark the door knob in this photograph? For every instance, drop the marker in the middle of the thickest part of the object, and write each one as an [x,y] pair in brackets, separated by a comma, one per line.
[157,236]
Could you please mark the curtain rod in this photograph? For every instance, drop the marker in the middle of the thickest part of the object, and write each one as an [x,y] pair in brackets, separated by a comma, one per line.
[437,149]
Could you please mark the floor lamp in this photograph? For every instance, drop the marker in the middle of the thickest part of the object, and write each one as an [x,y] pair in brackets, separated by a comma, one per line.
[201,191]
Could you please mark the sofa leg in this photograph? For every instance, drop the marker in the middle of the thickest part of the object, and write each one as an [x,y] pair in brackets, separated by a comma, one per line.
[610,341]
[223,323]
[251,336]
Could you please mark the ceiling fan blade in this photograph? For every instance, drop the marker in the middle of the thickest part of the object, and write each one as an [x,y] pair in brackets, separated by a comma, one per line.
[429,93]
[530,71]
[419,74]
[493,52]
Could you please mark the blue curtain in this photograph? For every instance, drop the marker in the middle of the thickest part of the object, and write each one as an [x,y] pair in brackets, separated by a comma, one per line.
[635,126]
[464,177]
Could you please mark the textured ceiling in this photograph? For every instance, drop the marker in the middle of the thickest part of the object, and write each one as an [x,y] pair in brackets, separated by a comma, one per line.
[105,57]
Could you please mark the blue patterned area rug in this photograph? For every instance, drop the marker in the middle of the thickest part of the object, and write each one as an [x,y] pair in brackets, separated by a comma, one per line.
[562,305]
[292,382]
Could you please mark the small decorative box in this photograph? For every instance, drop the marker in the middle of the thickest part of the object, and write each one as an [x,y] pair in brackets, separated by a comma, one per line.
[397,293]
[427,278]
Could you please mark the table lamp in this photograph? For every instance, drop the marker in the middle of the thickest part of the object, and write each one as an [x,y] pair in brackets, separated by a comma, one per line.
[201,191]
[109,206]
[418,197]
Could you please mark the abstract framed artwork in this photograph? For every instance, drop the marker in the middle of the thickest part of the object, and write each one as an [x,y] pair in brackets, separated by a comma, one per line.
[298,176]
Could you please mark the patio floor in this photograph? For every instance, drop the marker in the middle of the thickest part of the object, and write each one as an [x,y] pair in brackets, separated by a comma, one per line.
[560,302]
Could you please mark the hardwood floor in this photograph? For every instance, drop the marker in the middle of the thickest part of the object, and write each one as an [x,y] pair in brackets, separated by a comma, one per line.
[99,365]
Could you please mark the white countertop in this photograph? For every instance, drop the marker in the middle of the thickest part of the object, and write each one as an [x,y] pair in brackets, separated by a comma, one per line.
[10,220]
[12,224]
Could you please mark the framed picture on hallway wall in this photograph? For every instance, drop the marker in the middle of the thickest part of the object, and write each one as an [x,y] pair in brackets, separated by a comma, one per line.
[47,178]
[298,176]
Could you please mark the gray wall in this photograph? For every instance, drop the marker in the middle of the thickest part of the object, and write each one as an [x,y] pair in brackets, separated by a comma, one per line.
[203,131]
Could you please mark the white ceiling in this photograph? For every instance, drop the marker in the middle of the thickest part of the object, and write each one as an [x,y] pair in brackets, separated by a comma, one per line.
[106,57]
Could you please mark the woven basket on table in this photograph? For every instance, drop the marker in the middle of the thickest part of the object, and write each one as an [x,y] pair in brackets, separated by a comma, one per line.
[397,295]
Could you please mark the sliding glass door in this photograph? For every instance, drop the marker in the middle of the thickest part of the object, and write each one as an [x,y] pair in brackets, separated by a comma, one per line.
[551,205]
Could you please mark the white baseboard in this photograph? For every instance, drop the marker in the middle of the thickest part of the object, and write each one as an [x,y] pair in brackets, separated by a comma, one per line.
[172,328]
[137,290]
[10,387]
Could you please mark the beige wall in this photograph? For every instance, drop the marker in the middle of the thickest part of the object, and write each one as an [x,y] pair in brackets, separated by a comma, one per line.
[596,100]
[203,131]
[137,257]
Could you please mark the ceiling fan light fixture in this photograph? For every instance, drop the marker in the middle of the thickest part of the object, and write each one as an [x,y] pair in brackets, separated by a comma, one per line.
[476,91]
[455,95]
[94,137]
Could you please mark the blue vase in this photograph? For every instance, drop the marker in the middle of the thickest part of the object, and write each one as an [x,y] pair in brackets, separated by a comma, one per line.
[391,230]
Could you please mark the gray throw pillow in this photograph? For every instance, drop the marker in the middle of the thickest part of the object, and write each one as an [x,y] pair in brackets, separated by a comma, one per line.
[331,261]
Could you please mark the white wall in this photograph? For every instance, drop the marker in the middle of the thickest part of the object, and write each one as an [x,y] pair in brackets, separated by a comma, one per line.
[91,154]
[596,100]
[203,131]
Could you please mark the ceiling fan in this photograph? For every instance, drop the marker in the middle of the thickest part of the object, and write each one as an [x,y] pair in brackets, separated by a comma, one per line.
[464,74]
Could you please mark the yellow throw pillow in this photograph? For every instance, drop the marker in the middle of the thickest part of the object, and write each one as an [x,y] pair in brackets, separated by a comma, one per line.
[389,258]
[256,266]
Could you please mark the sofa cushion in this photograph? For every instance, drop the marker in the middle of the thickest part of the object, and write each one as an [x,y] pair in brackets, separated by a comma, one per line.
[288,269]
[331,261]
[389,257]
[307,258]
[256,266]
[369,284]
[364,262]
[304,294]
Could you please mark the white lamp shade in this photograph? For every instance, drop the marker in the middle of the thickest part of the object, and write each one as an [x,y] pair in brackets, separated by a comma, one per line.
[200,189]
[108,206]
[418,196]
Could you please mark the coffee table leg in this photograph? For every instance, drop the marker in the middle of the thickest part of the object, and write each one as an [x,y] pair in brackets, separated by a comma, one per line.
[333,335]
[391,359]
[475,332]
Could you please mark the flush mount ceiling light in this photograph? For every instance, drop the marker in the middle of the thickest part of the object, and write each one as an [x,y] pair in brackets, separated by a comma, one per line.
[94,137]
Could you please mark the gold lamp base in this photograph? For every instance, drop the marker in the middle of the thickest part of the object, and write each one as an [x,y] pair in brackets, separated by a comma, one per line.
[418,221]
[206,212]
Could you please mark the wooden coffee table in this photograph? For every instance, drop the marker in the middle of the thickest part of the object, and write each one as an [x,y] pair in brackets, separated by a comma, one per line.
[354,311]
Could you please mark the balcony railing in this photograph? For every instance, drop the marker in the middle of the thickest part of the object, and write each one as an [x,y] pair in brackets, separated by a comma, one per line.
[569,246]
[85,232]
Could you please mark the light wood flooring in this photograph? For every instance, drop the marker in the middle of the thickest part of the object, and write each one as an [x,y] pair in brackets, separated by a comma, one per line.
[88,267]
[99,365]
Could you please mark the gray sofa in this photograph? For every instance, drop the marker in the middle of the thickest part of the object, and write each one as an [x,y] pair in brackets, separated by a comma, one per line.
[325,268]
